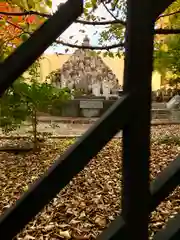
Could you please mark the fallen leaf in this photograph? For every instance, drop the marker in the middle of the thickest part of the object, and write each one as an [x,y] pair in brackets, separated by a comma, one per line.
[92,198]
[101,221]
[65,234]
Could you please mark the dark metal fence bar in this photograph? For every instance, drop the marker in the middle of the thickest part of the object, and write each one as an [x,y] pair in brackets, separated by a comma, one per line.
[65,169]
[136,133]
[160,188]
[29,51]
[159,6]
[116,230]
[165,183]
[171,231]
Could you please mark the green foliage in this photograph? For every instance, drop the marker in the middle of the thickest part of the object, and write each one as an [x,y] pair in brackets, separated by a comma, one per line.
[160,59]
[54,77]
[173,43]
[167,59]
[24,37]
[167,48]
[170,140]
[173,19]
[79,92]
[114,33]
[174,82]
[28,5]
[18,102]
[23,100]
[13,109]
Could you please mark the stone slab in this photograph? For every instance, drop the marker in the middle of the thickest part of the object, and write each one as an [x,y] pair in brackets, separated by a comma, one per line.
[91,104]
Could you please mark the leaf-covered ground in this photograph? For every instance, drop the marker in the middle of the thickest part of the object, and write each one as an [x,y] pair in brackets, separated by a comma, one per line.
[92,199]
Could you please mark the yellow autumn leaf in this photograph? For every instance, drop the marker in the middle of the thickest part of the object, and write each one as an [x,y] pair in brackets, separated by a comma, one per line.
[164,47]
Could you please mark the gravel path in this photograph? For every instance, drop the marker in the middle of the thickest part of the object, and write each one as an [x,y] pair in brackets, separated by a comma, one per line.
[56,129]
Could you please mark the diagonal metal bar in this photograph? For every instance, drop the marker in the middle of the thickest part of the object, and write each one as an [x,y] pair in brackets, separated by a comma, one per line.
[65,169]
[160,188]
[165,183]
[116,230]
[171,231]
[29,51]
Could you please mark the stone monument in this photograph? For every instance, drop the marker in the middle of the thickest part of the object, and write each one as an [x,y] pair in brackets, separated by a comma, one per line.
[174,106]
[86,70]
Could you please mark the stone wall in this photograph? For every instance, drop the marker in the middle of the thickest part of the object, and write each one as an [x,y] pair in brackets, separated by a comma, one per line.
[72,109]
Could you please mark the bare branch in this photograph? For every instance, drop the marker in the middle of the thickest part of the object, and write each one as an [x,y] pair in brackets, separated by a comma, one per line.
[107,9]
[10,39]
[26,13]
[108,47]
[115,4]
[169,14]
[15,26]
[101,23]
[74,45]
[167,31]
[115,21]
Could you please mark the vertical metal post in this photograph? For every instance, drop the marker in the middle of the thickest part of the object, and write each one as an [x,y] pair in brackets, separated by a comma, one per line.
[136,133]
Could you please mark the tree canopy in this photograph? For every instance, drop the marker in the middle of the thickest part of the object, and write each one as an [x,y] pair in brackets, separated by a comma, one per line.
[113,28]
[16,28]
[17,23]
[167,47]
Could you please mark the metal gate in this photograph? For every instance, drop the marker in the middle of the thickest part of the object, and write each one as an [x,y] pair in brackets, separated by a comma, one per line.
[133,222]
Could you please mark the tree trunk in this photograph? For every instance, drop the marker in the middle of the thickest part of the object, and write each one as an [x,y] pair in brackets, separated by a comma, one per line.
[34,126]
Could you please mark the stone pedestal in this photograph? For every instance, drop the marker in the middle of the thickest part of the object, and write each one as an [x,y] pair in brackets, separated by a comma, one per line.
[175,115]
[91,108]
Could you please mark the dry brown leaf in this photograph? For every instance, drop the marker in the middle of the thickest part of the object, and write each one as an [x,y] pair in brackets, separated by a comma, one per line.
[100,221]
[92,199]
[28,237]
[65,234]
